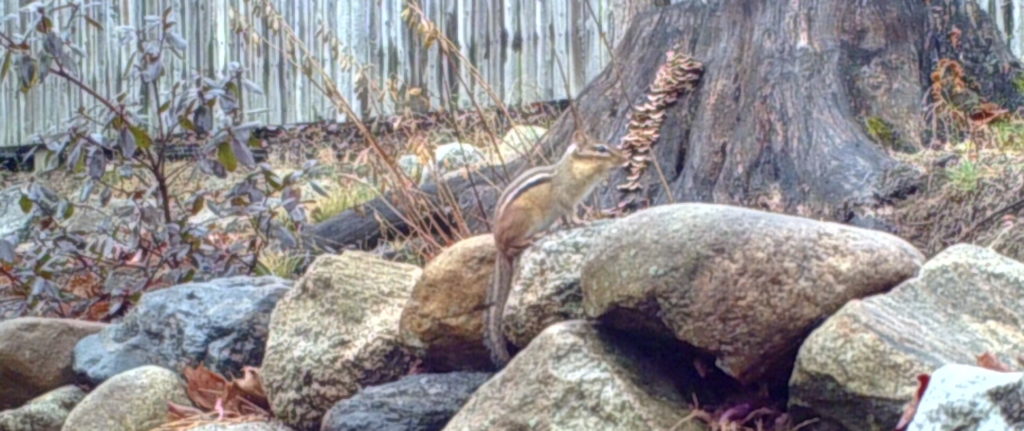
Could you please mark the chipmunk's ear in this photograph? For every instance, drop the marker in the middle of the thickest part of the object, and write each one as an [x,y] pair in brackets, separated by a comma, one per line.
[580,138]
[577,142]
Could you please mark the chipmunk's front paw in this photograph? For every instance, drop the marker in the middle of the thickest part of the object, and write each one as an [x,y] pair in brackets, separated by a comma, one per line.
[575,221]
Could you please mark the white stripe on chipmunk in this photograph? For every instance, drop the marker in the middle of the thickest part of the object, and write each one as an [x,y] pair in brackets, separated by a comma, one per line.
[541,176]
[528,180]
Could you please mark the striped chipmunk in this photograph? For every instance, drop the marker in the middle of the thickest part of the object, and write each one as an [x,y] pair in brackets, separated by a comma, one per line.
[530,204]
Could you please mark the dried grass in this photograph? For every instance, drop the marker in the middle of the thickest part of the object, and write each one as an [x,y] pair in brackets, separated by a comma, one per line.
[947,211]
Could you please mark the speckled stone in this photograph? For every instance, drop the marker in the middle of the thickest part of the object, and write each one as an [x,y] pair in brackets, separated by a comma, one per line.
[335,332]
[14,223]
[247,426]
[134,400]
[46,412]
[420,402]
[546,286]
[444,318]
[571,378]
[860,367]
[741,284]
[964,397]
[518,141]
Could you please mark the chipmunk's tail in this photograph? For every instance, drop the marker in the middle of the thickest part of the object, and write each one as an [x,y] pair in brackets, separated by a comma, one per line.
[497,295]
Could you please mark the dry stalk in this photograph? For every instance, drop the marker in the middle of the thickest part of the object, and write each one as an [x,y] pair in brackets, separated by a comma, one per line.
[409,198]
[431,34]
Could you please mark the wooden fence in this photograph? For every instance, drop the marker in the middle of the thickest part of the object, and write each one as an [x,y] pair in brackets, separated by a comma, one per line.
[525,50]
[377,59]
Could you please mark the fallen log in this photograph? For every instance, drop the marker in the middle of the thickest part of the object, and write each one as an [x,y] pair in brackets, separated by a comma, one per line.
[785,116]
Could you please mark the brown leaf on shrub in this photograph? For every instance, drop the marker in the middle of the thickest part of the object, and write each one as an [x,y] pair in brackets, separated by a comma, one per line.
[84,284]
[911,408]
[990,361]
[98,311]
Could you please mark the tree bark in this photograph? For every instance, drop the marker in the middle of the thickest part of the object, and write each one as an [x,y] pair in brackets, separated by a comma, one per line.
[780,120]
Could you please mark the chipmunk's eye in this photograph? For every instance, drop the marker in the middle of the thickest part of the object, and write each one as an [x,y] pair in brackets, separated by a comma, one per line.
[601,149]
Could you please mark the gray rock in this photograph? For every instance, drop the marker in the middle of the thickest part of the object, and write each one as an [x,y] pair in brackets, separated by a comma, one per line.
[448,158]
[963,397]
[44,413]
[207,219]
[247,426]
[546,287]
[95,218]
[444,318]
[859,368]
[412,167]
[14,223]
[134,400]
[519,141]
[743,285]
[423,402]
[221,323]
[335,332]
[35,356]
[455,155]
[572,377]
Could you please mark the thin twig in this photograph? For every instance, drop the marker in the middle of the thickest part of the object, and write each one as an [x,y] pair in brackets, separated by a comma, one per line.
[14,278]
[1012,207]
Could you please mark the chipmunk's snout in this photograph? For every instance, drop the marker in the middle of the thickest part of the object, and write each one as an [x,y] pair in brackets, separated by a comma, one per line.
[619,154]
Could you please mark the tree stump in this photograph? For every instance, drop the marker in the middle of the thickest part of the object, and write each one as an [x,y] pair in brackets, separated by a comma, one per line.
[800,107]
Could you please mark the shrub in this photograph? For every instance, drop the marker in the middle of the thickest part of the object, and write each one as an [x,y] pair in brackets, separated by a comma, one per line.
[121,150]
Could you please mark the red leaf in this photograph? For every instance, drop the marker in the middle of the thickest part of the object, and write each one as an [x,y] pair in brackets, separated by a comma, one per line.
[911,408]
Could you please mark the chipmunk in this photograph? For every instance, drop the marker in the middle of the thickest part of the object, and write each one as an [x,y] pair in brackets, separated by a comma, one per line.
[528,206]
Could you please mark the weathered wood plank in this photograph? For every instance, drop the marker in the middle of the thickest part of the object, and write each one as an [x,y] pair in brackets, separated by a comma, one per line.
[513,43]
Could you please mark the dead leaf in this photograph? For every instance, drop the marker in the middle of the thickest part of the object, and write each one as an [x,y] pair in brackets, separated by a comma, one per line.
[991,362]
[179,412]
[219,399]
[204,386]
[988,112]
[911,408]
[246,396]
[98,311]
